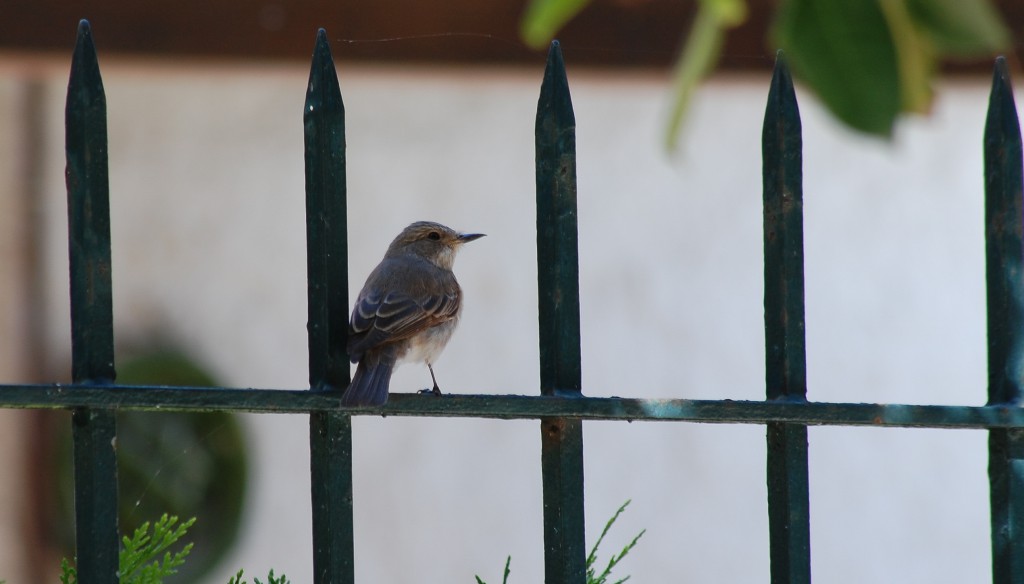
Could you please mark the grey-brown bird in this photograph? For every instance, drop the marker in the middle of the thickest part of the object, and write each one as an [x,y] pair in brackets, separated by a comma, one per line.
[406,311]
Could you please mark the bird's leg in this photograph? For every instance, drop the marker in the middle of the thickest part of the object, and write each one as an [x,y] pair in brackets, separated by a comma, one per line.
[436,390]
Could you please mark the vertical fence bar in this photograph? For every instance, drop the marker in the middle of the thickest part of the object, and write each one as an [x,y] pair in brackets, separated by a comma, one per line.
[1004,190]
[559,306]
[92,327]
[785,358]
[330,433]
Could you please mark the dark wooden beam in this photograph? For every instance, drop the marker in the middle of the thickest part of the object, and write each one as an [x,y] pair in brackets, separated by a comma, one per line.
[618,33]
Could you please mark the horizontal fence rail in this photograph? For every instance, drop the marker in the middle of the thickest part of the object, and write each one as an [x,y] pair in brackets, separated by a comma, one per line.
[516,407]
[94,398]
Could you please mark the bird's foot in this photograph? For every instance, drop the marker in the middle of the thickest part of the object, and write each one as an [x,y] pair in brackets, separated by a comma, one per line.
[431,391]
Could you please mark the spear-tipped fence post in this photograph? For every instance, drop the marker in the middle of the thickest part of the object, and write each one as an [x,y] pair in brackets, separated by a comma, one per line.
[559,307]
[785,358]
[92,327]
[330,432]
[1005,289]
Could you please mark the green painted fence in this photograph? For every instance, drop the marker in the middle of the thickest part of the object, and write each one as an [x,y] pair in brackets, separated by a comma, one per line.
[93,396]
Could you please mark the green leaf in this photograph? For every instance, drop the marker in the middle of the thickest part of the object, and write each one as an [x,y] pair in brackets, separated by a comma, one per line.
[845,52]
[544,18]
[146,559]
[592,576]
[961,28]
[699,55]
[504,579]
[915,56]
[68,575]
[870,60]
[728,12]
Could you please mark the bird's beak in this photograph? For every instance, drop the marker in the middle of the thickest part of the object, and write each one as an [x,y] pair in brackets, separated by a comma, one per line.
[467,237]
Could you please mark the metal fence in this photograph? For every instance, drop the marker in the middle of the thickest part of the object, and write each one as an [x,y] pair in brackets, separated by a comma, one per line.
[93,396]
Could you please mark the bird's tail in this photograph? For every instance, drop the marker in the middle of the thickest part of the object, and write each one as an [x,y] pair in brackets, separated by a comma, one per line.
[369,385]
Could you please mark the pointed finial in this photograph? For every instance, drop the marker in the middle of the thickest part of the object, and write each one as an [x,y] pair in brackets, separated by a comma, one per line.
[85,85]
[1002,111]
[1001,77]
[84,46]
[323,90]
[782,80]
[555,103]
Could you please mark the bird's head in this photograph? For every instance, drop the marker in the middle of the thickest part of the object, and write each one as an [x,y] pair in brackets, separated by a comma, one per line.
[431,241]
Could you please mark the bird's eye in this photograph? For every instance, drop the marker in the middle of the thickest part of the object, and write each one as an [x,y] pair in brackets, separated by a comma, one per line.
[434,235]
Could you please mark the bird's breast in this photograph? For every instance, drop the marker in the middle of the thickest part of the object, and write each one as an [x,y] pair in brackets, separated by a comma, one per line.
[426,346]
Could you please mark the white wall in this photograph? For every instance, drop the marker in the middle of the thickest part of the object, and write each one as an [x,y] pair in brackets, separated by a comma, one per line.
[208,248]
[14,342]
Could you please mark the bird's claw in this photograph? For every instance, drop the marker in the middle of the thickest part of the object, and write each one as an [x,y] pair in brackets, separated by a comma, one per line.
[436,391]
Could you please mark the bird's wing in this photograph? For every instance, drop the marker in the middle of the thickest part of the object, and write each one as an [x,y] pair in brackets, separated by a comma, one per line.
[385,318]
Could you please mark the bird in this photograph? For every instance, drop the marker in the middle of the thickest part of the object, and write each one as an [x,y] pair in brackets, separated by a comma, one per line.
[406,311]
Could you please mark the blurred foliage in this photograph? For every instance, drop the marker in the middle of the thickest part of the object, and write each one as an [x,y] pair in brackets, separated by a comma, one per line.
[238,579]
[182,464]
[593,576]
[146,558]
[868,60]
